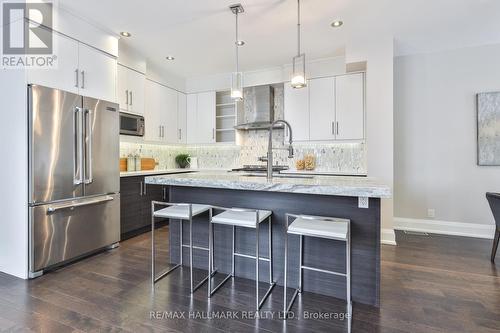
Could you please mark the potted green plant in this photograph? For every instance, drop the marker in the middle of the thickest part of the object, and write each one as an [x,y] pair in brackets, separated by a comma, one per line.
[182,160]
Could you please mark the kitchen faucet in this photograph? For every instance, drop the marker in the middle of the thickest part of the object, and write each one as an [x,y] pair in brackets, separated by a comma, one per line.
[269,158]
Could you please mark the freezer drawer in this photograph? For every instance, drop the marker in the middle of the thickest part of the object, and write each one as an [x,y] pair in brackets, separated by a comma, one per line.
[66,230]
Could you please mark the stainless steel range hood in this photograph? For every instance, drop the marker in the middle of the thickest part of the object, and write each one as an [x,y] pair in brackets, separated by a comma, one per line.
[257,109]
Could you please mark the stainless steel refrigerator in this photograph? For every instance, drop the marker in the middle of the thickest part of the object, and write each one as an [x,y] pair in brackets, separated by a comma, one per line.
[74,179]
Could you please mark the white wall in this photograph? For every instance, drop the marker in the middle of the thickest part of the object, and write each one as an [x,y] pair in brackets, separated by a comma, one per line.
[14,189]
[435,135]
[379,56]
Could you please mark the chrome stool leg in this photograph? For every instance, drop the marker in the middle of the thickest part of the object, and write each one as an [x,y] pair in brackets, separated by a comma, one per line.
[257,261]
[210,255]
[181,254]
[288,306]
[286,267]
[233,251]
[191,248]
[348,276]
[270,251]
[301,262]
[153,247]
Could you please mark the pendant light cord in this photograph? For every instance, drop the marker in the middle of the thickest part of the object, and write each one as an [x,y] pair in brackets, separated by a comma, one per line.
[298,27]
[236,44]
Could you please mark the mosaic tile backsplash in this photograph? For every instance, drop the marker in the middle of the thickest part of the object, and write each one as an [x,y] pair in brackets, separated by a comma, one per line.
[335,157]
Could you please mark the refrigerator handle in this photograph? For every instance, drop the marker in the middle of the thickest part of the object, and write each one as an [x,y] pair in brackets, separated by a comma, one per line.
[78,147]
[73,204]
[88,151]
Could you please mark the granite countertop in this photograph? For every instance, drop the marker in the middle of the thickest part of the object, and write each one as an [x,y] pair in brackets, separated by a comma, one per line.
[154,172]
[321,185]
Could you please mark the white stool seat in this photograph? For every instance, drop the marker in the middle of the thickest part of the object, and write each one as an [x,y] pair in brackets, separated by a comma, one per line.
[308,226]
[181,211]
[241,218]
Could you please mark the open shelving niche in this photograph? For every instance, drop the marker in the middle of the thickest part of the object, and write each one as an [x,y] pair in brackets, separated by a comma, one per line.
[225,117]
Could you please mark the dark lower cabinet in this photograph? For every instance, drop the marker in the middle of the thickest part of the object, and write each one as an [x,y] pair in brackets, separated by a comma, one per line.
[135,205]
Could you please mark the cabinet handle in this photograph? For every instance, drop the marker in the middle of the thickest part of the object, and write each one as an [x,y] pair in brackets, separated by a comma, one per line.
[159,133]
[131,97]
[145,185]
[179,133]
[83,79]
[164,193]
[333,127]
[126,96]
[76,78]
[141,192]
[213,133]
[337,128]
[163,131]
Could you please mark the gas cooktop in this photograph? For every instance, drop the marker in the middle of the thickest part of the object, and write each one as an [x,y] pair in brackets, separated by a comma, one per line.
[260,168]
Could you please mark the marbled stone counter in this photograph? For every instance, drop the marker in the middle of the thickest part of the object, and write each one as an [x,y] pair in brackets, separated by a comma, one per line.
[320,185]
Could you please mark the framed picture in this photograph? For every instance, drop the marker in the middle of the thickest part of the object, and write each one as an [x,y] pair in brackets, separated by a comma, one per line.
[488,128]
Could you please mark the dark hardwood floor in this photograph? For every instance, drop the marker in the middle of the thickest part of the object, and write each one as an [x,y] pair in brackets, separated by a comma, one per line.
[429,284]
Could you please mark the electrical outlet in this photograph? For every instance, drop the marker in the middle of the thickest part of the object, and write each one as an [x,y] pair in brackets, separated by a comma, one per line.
[363,202]
[431,213]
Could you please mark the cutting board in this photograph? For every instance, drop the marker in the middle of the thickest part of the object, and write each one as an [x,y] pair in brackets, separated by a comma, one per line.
[148,163]
[123,164]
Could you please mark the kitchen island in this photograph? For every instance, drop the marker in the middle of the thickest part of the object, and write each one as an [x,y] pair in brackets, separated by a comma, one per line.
[319,195]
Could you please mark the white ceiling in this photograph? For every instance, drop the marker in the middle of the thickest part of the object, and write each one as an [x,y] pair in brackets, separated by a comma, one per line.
[200,33]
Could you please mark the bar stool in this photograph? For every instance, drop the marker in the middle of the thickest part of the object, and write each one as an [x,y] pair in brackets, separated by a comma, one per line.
[318,227]
[182,212]
[245,218]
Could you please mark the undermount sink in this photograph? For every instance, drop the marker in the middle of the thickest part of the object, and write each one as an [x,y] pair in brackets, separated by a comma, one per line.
[277,175]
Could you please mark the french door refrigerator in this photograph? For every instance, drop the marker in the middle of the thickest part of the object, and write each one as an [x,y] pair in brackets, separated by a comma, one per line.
[74,180]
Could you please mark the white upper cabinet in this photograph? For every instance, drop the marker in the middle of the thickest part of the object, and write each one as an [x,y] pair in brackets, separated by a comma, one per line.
[328,109]
[181,117]
[81,69]
[122,87]
[97,73]
[322,108]
[162,113]
[154,112]
[191,118]
[350,107]
[170,115]
[66,74]
[297,112]
[205,129]
[131,90]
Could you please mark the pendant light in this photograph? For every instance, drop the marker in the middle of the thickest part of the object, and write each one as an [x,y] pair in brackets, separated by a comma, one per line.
[298,79]
[237,77]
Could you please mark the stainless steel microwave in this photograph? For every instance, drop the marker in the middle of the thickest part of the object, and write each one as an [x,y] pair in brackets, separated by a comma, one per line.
[131,124]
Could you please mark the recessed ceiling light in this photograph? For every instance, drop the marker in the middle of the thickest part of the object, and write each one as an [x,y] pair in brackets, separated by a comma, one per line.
[337,24]
[169,58]
[240,43]
[125,34]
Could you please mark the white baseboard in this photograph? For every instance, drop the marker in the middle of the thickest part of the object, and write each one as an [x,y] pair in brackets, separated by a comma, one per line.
[388,237]
[445,227]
